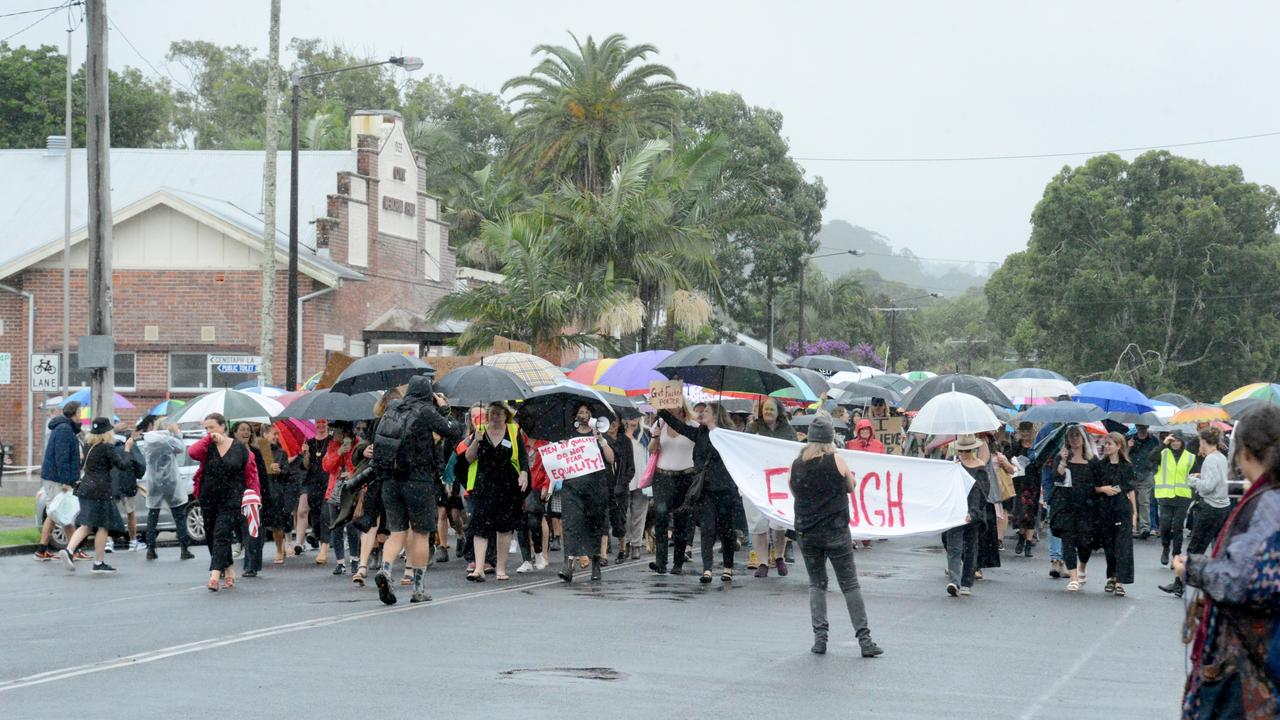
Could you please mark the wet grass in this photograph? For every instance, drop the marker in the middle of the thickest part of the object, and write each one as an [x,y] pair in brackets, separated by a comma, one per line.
[24,507]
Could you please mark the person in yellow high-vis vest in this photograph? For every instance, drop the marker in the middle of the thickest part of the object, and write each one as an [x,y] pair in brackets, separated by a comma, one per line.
[1172,492]
[497,479]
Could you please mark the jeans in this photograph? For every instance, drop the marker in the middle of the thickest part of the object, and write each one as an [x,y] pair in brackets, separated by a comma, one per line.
[1055,545]
[179,514]
[1142,489]
[252,546]
[961,543]
[717,523]
[669,491]
[1173,517]
[833,544]
[352,535]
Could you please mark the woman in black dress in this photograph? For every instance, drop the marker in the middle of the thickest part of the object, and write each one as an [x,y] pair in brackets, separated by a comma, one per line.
[227,469]
[497,478]
[1075,506]
[98,514]
[245,434]
[1114,486]
[276,510]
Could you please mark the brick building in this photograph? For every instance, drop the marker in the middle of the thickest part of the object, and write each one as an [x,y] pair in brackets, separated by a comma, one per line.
[188,237]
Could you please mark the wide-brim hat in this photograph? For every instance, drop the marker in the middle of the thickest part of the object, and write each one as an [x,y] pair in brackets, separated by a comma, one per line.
[968,442]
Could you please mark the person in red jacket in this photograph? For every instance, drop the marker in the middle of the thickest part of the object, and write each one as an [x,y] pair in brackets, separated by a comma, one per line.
[227,469]
[864,439]
[337,462]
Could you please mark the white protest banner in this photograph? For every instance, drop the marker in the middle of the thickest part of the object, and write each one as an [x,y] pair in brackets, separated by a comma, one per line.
[895,495]
[571,458]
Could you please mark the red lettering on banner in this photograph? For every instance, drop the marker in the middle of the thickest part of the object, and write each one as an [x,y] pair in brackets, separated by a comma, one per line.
[894,503]
[769,475]
[854,516]
[862,497]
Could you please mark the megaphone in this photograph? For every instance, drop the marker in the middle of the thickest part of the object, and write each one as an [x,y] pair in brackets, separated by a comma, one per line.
[602,424]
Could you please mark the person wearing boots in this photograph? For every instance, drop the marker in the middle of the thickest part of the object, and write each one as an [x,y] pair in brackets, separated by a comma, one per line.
[162,449]
[1215,505]
[1172,492]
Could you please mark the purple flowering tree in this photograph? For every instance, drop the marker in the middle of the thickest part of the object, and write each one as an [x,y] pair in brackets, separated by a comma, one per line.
[862,353]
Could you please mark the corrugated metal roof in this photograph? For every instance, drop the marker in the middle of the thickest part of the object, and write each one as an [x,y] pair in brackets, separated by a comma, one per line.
[229,181]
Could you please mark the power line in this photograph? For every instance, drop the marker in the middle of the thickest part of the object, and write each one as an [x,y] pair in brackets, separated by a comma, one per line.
[980,158]
[144,59]
[39,20]
[36,10]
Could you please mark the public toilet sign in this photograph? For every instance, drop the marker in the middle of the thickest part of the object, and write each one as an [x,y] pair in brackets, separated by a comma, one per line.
[238,364]
[45,372]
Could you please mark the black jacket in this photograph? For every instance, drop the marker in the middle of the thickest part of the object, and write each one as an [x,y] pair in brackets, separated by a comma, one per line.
[99,461]
[624,463]
[418,457]
[124,481]
[706,458]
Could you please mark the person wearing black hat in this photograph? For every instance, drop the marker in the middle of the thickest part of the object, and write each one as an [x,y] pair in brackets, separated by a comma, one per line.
[821,484]
[98,514]
[961,542]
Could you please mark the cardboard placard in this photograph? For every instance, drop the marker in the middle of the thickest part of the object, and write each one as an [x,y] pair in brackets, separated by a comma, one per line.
[666,394]
[333,368]
[888,431]
[571,458]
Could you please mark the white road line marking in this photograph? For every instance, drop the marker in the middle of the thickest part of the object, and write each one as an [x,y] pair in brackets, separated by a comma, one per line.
[1076,667]
[233,639]
[105,602]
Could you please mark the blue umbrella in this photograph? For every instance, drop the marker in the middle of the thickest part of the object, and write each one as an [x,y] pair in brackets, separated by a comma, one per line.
[166,407]
[1032,374]
[1114,397]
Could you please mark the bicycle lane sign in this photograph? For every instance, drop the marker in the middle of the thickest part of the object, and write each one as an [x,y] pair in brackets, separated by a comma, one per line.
[44,371]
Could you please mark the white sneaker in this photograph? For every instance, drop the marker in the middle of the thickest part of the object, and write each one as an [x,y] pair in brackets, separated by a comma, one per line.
[135,545]
[239,551]
[541,562]
[525,567]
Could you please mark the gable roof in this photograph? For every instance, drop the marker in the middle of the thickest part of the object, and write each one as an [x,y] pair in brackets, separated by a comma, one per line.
[223,183]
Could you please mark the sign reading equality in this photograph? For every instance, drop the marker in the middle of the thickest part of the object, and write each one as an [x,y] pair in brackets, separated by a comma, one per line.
[571,458]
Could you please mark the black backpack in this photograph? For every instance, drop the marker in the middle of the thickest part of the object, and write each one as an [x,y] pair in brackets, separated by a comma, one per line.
[393,428]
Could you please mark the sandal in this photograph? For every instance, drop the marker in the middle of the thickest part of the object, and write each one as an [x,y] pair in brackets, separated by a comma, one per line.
[213,585]
[977,575]
[1119,590]
[501,577]
[1110,586]
[1080,576]
[706,577]
[726,576]
[228,582]
[476,577]
[1073,586]
[359,575]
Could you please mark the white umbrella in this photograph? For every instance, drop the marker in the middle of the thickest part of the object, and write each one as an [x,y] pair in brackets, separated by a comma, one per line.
[1030,389]
[235,405]
[954,413]
[863,373]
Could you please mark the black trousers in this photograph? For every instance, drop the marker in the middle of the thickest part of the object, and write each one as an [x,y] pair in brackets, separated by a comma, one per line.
[618,507]
[1076,549]
[669,491]
[529,534]
[1118,545]
[1173,518]
[1205,529]
[585,507]
[716,523]
[179,514]
[220,511]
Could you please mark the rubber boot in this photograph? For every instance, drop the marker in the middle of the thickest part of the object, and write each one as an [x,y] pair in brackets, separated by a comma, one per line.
[595,568]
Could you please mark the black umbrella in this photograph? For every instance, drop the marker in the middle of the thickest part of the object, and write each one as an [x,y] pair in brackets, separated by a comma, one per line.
[802,422]
[724,367]
[1174,399]
[895,382]
[825,364]
[856,392]
[984,390]
[1237,408]
[481,384]
[328,405]
[380,372]
[1062,412]
[548,414]
[622,405]
[816,381]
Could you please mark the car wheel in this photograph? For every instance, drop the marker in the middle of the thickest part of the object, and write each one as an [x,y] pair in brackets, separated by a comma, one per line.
[195,524]
[57,537]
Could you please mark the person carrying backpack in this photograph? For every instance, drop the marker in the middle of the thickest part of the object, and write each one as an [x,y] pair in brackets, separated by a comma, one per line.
[406,452]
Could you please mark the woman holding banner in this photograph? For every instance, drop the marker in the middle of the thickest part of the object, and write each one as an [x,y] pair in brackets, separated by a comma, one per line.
[821,484]
[772,422]
[719,492]
[586,504]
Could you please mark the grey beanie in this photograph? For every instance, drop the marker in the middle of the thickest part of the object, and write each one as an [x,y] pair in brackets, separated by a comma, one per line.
[821,430]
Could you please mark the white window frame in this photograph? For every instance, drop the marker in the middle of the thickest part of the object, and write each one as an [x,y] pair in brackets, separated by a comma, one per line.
[208,373]
[72,357]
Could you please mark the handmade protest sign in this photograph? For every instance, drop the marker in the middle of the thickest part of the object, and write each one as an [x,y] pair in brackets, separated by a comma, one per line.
[894,496]
[666,394]
[571,458]
[888,430]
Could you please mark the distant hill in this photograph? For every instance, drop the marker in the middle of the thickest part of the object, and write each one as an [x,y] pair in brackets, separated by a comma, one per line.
[900,266]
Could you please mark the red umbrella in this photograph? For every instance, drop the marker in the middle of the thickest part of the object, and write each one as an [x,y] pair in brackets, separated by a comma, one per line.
[294,434]
[287,398]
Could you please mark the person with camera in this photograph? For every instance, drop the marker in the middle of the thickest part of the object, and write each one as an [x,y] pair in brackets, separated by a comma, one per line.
[586,502]
[1172,491]
[497,478]
[98,513]
[164,484]
[405,450]
[124,485]
[59,470]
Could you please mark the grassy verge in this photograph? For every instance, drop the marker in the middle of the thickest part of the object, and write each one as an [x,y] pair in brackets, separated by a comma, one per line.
[24,507]
[21,536]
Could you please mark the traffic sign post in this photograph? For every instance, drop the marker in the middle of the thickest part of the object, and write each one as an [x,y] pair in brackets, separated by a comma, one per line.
[46,372]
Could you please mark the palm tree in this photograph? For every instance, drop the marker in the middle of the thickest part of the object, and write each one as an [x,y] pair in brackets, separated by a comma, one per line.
[542,300]
[485,194]
[581,107]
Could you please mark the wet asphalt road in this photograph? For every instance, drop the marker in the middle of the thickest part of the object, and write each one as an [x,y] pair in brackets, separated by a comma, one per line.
[151,642]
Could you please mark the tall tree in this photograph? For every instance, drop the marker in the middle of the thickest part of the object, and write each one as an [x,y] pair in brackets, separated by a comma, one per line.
[222,105]
[580,108]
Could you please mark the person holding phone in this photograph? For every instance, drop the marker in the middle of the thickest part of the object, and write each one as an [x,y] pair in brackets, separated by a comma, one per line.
[1074,505]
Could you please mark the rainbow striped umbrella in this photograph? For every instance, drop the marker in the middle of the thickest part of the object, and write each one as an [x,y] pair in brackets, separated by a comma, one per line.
[589,373]
[1269,392]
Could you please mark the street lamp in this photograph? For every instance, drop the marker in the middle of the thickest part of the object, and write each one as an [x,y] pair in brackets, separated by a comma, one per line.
[295,83]
[804,261]
[893,311]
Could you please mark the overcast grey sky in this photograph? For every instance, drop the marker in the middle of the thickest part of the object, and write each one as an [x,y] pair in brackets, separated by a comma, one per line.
[919,79]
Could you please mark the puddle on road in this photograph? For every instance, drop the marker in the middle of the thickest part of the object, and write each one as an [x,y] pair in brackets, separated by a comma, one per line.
[664,591]
[928,549]
[565,673]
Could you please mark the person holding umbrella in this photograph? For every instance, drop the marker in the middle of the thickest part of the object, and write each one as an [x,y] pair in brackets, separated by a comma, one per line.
[961,542]
[497,478]
[586,503]
[227,469]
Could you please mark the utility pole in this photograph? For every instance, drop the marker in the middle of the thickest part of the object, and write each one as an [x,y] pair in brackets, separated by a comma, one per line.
[267,339]
[893,311]
[98,155]
[800,310]
[291,333]
[66,232]
[768,290]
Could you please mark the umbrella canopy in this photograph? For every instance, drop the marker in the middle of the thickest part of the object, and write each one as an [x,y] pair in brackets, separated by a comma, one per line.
[83,397]
[1063,412]
[862,374]
[379,372]
[1237,408]
[633,373]
[253,386]
[799,390]
[1260,391]
[1148,419]
[853,393]
[535,371]
[917,376]
[589,372]
[548,414]
[816,381]
[738,406]
[1113,397]
[1175,399]
[897,383]
[1199,413]
[482,384]
[1030,373]
[825,364]
[802,423]
[724,367]
[984,390]
[1035,391]
[954,413]
[330,405]
[166,407]
[234,405]
[294,434]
